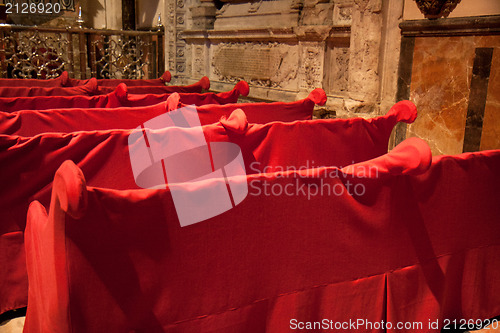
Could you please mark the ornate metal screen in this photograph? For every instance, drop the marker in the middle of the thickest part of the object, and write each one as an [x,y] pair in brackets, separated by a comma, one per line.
[32,54]
[29,52]
[120,56]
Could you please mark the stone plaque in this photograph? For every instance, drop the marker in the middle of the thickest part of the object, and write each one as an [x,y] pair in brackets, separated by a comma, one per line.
[249,63]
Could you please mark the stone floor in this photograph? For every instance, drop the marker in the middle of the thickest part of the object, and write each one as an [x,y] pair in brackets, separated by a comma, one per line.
[12,326]
[16,326]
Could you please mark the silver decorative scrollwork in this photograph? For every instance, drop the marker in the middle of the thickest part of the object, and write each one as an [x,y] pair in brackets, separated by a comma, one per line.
[121,57]
[31,54]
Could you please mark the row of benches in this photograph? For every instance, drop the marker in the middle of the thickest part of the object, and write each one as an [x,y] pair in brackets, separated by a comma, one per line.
[332,227]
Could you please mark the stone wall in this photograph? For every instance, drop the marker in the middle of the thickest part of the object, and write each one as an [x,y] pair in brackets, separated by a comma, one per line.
[286,48]
[358,53]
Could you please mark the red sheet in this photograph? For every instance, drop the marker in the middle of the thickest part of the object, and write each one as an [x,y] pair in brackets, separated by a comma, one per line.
[29,164]
[33,122]
[420,244]
[88,89]
[164,78]
[198,87]
[119,97]
[61,81]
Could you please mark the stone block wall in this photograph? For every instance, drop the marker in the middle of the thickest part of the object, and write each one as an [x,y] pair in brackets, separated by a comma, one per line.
[286,48]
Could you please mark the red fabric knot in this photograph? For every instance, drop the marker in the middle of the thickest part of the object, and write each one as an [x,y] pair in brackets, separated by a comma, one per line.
[318,96]
[205,83]
[92,87]
[236,122]
[121,92]
[242,87]
[71,189]
[173,102]
[64,77]
[166,77]
[411,157]
[404,111]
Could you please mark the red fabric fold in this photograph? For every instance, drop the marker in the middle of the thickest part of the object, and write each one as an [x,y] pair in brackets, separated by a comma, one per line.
[90,88]
[120,97]
[29,164]
[198,87]
[235,122]
[412,157]
[409,249]
[33,122]
[61,81]
[164,78]
[261,113]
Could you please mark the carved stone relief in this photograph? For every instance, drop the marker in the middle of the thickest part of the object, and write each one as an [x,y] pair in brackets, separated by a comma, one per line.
[170,35]
[254,6]
[364,78]
[336,69]
[198,61]
[312,67]
[342,13]
[176,23]
[317,12]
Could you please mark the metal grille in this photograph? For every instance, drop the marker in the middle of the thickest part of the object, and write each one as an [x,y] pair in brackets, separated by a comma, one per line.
[121,57]
[35,52]
[32,54]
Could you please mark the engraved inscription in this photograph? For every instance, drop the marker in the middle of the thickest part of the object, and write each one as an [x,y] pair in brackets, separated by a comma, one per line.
[248,63]
[260,64]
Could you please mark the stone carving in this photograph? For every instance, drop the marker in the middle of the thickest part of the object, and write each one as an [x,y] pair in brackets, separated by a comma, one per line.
[345,14]
[317,12]
[175,44]
[188,64]
[364,78]
[434,9]
[342,13]
[170,35]
[199,61]
[261,64]
[312,68]
[341,74]
[254,6]
[336,68]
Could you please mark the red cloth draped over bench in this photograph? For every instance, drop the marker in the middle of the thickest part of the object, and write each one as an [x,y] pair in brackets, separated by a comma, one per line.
[419,244]
[29,164]
[33,122]
[119,97]
[198,87]
[61,81]
[164,78]
[90,88]
[64,80]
